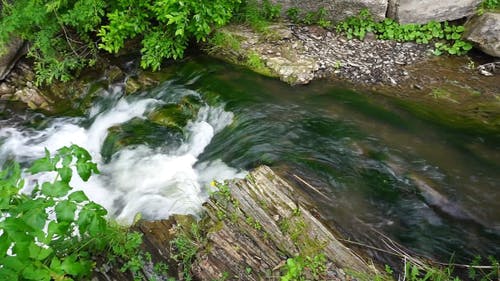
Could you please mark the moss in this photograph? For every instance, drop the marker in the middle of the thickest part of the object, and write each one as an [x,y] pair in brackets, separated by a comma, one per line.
[255,63]
[224,40]
[216,227]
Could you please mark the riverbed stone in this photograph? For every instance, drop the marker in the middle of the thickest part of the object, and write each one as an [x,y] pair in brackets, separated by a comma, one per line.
[336,10]
[11,52]
[484,32]
[423,11]
[297,72]
[33,98]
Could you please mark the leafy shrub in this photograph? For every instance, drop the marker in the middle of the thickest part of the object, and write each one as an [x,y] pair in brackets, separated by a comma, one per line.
[304,268]
[258,15]
[271,12]
[318,17]
[59,33]
[448,36]
[487,5]
[491,4]
[55,233]
[293,14]
[166,26]
[65,36]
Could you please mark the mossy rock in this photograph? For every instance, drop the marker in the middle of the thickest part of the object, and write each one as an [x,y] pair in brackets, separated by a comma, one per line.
[136,132]
[176,115]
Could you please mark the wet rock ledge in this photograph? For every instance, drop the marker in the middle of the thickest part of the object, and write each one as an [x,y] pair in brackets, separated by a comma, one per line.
[249,230]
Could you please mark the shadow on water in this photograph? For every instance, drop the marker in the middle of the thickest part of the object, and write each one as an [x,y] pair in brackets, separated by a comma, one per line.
[430,187]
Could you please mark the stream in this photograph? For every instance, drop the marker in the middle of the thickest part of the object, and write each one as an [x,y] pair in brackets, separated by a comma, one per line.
[376,164]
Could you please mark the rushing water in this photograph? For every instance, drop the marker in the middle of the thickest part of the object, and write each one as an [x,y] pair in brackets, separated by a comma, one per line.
[379,167]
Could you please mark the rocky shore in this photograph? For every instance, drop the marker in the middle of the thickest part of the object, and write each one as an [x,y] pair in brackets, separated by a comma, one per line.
[299,54]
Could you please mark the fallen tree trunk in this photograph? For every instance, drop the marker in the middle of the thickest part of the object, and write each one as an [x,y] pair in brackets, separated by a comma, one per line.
[254,225]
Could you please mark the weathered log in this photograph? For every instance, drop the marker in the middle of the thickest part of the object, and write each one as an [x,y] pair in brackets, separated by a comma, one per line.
[256,224]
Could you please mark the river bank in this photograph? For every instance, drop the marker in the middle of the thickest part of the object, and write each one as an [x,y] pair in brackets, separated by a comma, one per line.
[463,88]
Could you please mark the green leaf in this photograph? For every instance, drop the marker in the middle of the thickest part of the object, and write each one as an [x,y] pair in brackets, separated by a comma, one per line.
[8,274]
[35,218]
[81,153]
[21,249]
[56,189]
[65,173]
[78,197]
[65,211]
[39,253]
[57,229]
[76,267]
[97,226]
[14,263]
[32,272]
[42,165]
[84,170]
[455,36]
[5,244]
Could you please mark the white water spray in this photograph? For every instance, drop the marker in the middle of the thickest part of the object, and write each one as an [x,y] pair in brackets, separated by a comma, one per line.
[154,182]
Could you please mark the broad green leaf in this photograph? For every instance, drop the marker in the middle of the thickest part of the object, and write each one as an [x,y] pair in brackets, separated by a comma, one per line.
[55,264]
[67,159]
[65,173]
[39,253]
[8,274]
[57,229]
[36,273]
[35,218]
[42,165]
[13,262]
[97,226]
[83,170]
[81,153]
[98,209]
[5,244]
[21,249]
[56,189]
[65,211]
[76,267]
[17,229]
[78,197]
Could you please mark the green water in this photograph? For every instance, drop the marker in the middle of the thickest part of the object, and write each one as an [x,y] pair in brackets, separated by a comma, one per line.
[361,150]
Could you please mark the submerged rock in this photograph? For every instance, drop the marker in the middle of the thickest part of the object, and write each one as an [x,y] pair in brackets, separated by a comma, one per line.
[484,31]
[139,131]
[176,115]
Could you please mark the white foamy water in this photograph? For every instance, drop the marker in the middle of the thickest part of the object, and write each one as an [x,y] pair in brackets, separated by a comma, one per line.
[154,182]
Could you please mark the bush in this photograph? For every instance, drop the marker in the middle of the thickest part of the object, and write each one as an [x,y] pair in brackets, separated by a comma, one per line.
[59,33]
[65,36]
[447,37]
[55,233]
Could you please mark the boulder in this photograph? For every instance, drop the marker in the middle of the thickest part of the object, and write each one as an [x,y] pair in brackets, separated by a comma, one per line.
[423,11]
[484,31]
[337,10]
[11,52]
